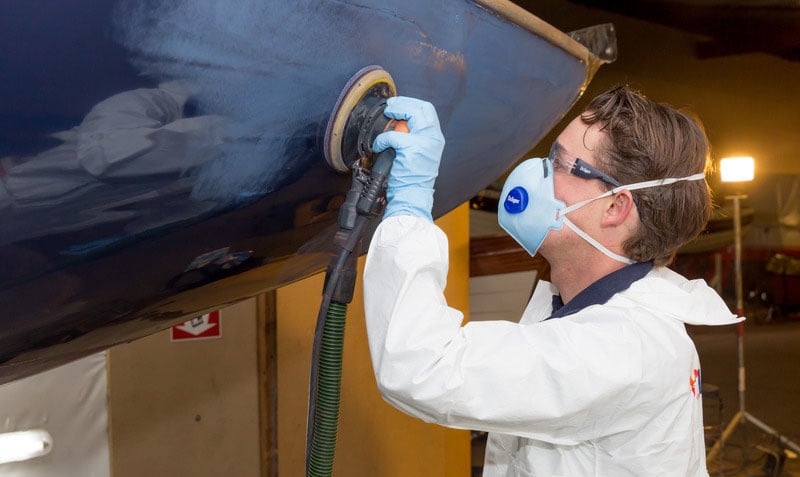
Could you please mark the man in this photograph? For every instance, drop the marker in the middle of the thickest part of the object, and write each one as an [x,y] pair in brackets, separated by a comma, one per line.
[599,376]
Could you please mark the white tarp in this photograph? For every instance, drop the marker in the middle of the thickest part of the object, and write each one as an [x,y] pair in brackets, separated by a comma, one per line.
[70,402]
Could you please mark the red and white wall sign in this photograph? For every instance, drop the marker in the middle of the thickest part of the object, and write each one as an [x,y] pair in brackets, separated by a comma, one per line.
[201,328]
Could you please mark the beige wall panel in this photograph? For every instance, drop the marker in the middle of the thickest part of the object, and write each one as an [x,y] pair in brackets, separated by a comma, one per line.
[187,408]
[191,408]
[375,439]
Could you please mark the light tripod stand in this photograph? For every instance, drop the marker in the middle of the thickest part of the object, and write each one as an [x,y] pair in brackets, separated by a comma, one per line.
[742,416]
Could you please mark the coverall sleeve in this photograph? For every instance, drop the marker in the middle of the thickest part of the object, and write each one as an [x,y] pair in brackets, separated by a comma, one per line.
[545,381]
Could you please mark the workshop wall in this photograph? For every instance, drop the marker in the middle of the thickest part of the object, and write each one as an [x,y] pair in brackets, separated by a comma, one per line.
[187,408]
[191,408]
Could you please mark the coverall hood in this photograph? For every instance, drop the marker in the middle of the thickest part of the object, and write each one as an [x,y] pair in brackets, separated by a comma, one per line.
[691,301]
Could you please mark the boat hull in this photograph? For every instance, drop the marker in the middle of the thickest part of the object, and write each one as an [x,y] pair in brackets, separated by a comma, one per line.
[162,158]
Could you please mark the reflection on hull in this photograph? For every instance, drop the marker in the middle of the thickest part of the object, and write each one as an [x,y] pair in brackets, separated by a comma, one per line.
[165,157]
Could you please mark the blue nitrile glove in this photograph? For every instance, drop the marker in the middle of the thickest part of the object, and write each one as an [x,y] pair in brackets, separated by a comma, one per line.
[419,151]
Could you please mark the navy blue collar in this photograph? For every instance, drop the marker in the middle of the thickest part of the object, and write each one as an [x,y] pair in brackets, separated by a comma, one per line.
[602,290]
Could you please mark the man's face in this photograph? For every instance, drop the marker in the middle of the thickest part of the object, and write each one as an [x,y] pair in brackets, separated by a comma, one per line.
[577,140]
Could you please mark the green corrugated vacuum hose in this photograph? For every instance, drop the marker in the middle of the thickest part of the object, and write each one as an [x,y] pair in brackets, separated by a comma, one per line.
[326,417]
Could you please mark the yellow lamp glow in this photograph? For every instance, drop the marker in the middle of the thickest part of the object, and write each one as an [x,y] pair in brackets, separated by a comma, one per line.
[737,169]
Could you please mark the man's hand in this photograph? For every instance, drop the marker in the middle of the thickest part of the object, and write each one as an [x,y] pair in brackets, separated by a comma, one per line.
[416,165]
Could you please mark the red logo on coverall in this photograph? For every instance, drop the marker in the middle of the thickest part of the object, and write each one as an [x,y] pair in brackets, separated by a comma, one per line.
[695,383]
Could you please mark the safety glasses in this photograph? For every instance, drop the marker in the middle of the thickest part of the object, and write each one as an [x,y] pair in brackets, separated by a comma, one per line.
[577,167]
[583,170]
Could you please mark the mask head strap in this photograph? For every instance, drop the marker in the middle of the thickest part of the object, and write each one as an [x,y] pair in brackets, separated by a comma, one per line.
[636,186]
[639,185]
[608,253]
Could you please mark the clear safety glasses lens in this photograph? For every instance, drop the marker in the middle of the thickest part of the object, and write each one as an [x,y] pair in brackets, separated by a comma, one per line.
[578,167]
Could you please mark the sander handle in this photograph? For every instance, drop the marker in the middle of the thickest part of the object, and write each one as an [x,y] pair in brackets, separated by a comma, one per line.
[373,196]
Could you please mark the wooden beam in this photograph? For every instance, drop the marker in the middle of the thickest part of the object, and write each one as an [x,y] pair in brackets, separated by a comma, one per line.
[495,254]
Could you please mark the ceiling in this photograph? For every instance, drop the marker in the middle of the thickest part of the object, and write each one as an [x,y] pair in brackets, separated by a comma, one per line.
[729,27]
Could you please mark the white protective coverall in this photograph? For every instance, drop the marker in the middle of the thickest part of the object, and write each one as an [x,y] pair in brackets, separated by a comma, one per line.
[612,390]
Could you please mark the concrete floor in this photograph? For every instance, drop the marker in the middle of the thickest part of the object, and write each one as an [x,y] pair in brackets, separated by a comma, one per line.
[772,392]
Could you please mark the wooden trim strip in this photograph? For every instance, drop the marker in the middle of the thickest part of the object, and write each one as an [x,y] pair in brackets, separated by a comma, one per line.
[266,316]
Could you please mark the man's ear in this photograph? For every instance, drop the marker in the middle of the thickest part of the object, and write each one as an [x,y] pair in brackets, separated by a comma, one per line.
[619,209]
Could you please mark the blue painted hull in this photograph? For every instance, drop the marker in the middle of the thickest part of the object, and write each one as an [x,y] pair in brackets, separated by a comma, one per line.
[160,158]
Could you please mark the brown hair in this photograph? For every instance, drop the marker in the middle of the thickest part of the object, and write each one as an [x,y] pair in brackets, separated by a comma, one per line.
[645,140]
